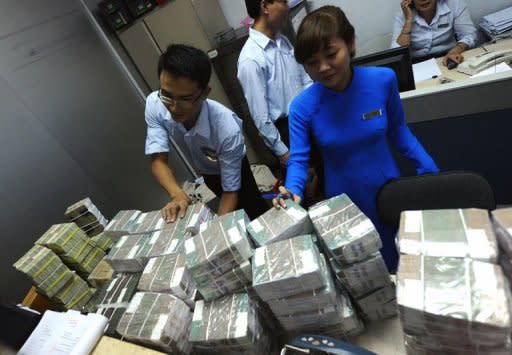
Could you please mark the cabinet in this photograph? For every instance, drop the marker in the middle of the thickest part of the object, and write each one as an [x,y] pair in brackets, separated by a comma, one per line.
[192,22]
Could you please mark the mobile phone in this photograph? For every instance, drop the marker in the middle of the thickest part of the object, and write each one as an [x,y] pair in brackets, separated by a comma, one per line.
[411,5]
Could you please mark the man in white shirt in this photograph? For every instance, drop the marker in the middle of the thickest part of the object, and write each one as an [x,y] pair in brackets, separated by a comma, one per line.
[269,75]
[209,134]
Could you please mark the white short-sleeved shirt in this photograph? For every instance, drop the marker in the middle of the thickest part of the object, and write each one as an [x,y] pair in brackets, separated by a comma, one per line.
[270,78]
[451,24]
[215,145]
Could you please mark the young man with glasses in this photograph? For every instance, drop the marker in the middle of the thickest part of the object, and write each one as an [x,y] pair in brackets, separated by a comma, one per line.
[269,75]
[208,133]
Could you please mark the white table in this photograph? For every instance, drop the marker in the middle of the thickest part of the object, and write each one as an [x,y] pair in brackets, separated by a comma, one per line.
[383,337]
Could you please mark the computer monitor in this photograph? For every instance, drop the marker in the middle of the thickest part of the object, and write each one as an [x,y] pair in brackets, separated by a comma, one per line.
[398,59]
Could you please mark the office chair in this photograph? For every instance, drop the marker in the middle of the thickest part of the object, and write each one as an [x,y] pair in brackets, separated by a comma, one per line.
[446,190]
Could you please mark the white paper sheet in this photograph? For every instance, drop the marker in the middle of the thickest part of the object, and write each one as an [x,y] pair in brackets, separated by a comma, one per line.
[70,333]
[425,70]
[498,68]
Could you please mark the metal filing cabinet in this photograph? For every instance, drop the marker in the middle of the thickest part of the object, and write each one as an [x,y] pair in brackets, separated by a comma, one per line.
[192,22]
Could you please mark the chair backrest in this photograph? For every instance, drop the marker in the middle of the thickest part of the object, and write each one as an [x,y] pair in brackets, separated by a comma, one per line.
[446,190]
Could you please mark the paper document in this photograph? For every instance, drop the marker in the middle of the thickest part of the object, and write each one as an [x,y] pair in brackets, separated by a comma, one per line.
[425,70]
[498,68]
[70,333]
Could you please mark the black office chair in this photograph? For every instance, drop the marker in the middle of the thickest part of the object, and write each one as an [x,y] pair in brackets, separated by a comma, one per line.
[446,190]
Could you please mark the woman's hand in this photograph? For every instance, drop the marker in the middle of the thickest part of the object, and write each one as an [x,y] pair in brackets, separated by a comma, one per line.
[278,202]
[407,10]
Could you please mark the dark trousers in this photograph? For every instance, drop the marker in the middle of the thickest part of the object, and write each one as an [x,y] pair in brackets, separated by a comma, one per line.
[282,126]
[249,197]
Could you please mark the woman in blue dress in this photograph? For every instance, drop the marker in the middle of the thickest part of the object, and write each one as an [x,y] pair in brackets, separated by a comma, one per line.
[352,114]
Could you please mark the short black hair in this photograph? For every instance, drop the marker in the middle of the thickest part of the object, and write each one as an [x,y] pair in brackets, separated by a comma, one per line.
[254,6]
[317,29]
[185,61]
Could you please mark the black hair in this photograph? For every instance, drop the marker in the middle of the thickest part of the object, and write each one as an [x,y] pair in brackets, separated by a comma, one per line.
[184,61]
[317,29]
[254,7]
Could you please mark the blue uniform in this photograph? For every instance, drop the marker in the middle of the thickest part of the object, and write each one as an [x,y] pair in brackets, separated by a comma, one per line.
[352,130]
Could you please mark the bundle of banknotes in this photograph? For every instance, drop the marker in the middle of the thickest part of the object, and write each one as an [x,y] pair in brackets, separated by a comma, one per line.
[159,320]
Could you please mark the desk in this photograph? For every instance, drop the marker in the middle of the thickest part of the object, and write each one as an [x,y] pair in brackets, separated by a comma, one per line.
[112,346]
[464,96]
[383,337]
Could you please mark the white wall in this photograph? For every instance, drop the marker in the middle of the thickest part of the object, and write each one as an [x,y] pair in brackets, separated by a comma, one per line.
[372,19]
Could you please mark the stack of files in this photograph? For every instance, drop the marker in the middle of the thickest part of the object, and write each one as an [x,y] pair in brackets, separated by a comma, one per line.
[45,269]
[168,274]
[101,274]
[130,253]
[65,333]
[229,325]
[87,216]
[502,221]
[497,22]
[123,223]
[348,235]
[73,246]
[454,233]
[220,248]
[114,297]
[75,294]
[103,242]
[453,305]
[280,224]
[158,320]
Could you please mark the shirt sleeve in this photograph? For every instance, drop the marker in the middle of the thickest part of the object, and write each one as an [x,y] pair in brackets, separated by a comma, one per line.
[300,147]
[306,79]
[398,25]
[230,157]
[401,136]
[252,79]
[463,26]
[157,137]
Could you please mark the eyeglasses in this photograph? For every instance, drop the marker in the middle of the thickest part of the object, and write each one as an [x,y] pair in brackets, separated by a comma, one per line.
[184,101]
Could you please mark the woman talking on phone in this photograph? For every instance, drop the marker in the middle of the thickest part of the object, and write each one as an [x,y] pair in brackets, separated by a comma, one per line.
[352,114]
[434,28]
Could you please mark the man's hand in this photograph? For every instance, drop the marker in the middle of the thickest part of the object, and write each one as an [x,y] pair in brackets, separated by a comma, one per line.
[407,10]
[178,206]
[284,194]
[456,57]
[283,159]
